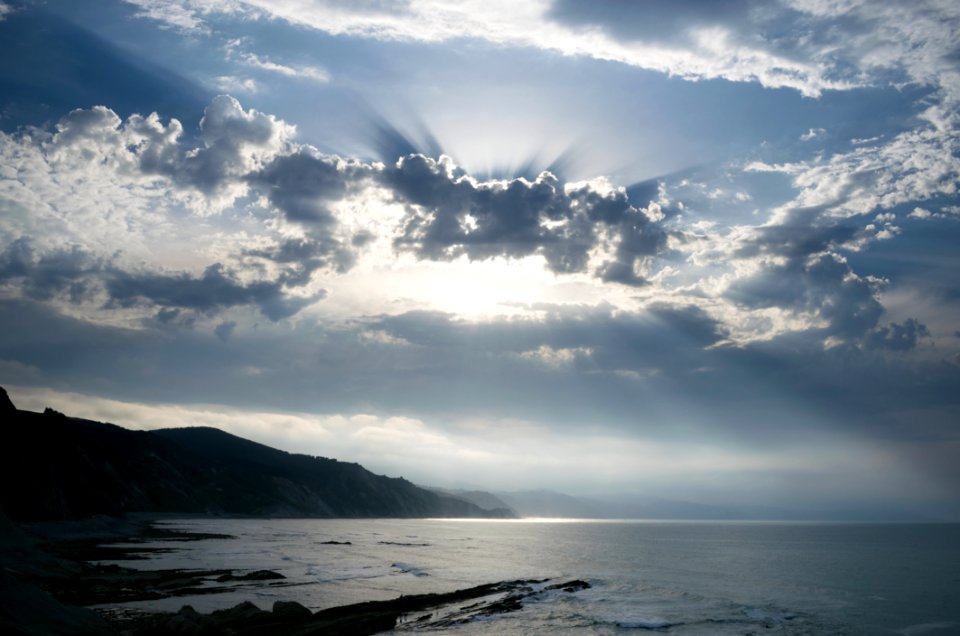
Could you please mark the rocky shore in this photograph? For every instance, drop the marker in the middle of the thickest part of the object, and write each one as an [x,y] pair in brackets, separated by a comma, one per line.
[47,580]
[291,618]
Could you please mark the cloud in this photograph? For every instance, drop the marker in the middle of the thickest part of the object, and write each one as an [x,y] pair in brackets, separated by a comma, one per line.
[158,185]
[235,143]
[232,84]
[452,214]
[313,73]
[304,183]
[42,277]
[657,379]
[822,285]
[301,201]
[597,339]
[310,212]
[225,329]
[898,337]
[811,134]
[657,20]
[807,45]
[216,289]
[913,166]
[175,14]
[78,276]
[88,198]
[716,52]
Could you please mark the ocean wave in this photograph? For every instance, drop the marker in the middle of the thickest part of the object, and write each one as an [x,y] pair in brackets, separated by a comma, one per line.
[406,568]
[931,629]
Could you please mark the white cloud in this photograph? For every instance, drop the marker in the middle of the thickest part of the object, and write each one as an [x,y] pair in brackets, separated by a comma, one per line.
[830,46]
[284,212]
[760,166]
[865,140]
[176,14]
[713,53]
[313,73]
[231,84]
[913,166]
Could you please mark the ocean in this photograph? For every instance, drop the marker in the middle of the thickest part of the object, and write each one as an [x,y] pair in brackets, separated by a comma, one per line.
[646,576]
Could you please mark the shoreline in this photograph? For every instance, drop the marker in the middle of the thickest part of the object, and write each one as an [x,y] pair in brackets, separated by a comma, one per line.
[50,585]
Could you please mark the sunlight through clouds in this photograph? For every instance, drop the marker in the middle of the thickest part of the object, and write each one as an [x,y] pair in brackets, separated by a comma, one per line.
[703,248]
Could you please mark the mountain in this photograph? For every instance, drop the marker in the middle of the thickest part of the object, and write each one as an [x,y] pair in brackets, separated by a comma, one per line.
[481,498]
[547,503]
[57,467]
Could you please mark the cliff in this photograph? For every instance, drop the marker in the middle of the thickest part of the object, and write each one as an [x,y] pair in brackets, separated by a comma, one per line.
[57,467]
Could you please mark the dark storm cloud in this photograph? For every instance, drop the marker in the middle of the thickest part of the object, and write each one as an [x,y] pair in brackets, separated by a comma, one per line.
[217,289]
[646,368]
[808,275]
[79,276]
[652,20]
[304,183]
[301,257]
[823,284]
[898,337]
[451,214]
[42,277]
[629,371]
[795,240]
[224,330]
[445,366]
[663,335]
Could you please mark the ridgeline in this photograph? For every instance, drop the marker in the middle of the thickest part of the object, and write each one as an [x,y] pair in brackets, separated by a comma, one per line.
[56,467]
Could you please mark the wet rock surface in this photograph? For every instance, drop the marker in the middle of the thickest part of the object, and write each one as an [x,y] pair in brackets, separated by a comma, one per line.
[405,612]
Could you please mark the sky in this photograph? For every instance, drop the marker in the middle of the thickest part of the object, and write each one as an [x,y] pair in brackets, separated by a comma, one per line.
[685,249]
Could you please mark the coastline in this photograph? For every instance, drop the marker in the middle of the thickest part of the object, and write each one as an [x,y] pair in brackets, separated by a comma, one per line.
[50,580]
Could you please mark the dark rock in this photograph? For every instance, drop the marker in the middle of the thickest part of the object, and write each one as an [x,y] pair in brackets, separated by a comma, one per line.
[290,610]
[360,619]
[6,405]
[335,543]
[25,609]
[186,621]
[243,612]
[54,414]
[570,586]
[258,575]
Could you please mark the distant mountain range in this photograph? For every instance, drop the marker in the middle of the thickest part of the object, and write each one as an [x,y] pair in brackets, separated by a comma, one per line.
[58,467]
[551,504]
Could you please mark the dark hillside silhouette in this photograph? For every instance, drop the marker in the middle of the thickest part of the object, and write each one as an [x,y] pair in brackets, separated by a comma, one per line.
[58,467]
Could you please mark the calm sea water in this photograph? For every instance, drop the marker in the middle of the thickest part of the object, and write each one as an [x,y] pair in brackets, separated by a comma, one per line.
[667,577]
